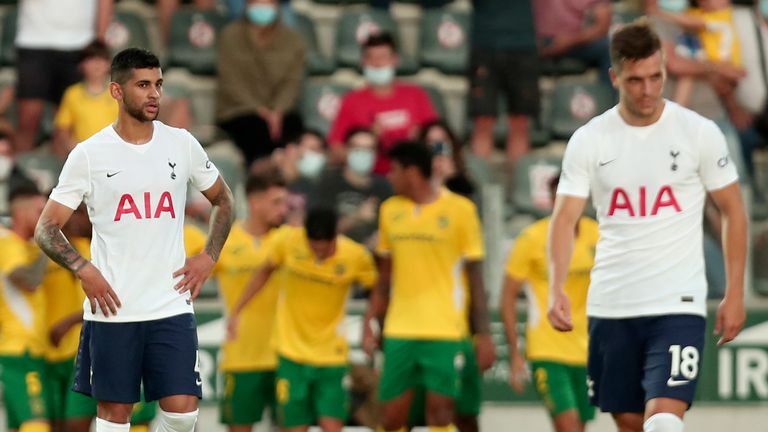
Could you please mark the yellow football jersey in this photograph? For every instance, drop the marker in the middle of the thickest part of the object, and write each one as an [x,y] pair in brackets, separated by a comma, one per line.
[85,113]
[428,245]
[313,296]
[241,256]
[22,313]
[64,296]
[719,40]
[528,261]
[194,239]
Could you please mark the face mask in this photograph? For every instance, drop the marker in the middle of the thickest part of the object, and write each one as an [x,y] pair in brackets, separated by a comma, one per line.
[674,6]
[764,8]
[6,165]
[262,15]
[441,148]
[379,76]
[311,164]
[361,161]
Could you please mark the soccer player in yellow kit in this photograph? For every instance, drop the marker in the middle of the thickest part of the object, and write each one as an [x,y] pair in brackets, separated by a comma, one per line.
[427,236]
[249,360]
[22,314]
[558,360]
[318,269]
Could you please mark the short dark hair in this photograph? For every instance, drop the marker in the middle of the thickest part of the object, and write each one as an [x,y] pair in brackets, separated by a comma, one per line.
[382,38]
[23,188]
[632,42]
[409,153]
[321,223]
[129,59]
[261,180]
[359,130]
[97,49]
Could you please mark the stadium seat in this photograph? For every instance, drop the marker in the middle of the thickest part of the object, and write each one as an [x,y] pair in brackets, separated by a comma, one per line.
[316,63]
[8,38]
[443,42]
[562,66]
[353,29]
[231,170]
[127,29]
[192,42]
[538,129]
[573,105]
[531,184]
[319,104]
[42,167]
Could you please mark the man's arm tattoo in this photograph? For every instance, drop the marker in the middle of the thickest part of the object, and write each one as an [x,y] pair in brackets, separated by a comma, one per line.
[222,217]
[52,241]
[478,306]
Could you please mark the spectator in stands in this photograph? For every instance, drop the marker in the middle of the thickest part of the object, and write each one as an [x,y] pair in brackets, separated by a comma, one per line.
[235,9]
[50,35]
[393,110]
[260,71]
[448,166]
[576,29]
[87,107]
[355,191]
[166,9]
[503,63]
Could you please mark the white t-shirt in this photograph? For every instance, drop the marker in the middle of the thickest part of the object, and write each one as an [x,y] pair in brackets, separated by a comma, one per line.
[136,196]
[648,186]
[65,25]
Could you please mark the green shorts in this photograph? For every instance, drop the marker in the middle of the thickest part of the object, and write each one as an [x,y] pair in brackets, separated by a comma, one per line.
[305,393]
[143,412]
[246,394]
[24,392]
[563,388]
[437,364]
[470,396]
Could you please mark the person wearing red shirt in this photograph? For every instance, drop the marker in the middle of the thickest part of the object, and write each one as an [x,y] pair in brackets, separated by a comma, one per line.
[394,110]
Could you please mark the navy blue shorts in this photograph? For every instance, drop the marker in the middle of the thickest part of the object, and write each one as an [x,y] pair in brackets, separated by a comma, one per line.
[634,360]
[114,358]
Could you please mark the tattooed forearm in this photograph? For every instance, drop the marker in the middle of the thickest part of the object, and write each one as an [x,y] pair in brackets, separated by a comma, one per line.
[478,306]
[222,217]
[52,241]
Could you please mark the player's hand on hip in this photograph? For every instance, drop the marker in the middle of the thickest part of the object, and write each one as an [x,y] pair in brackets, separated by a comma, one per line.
[194,274]
[98,290]
[560,313]
[485,350]
[730,319]
[518,373]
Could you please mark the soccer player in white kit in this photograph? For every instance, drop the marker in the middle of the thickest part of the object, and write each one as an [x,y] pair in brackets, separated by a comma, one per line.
[139,321]
[649,165]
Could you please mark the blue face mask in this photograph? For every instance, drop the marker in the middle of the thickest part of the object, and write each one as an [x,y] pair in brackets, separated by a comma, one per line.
[261,14]
[361,160]
[674,6]
[764,8]
[379,75]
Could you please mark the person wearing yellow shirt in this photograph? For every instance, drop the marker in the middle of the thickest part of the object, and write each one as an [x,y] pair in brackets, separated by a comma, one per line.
[22,314]
[558,359]
[428,236]
[249,359]
[86,107]
[318,269]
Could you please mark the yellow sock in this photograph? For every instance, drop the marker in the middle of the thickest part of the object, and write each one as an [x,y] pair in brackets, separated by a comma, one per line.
[140,428]
[449,428]
[35,426]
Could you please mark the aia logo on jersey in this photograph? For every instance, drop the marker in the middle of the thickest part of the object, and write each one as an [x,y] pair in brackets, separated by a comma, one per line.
[127,207]
[621,202]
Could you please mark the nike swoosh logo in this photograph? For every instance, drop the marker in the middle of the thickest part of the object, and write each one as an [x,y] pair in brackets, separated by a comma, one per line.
[109,175]
[606,162]
[199,382]
[671,382]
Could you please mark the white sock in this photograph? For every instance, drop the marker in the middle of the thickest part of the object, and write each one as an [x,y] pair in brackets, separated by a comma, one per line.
[176,422]
[107,426]
[663,422]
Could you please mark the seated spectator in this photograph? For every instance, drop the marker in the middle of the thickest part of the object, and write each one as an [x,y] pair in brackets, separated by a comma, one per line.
[448,167]
[88,106]
[393,110]
[503,63]
[260,71]
[235,9]
[355,192]
[575,29]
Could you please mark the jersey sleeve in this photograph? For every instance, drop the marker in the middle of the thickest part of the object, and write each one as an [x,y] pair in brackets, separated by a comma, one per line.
[13,254]
[74,180]
[574,178]
[470,234]
[383,246]
[277,246]
[367,274]
[203,173]
[716,168]
[519,259]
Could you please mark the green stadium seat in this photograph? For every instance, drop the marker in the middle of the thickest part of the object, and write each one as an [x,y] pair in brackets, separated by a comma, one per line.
[316,62]
[531,184]
[8,38]
[192,43]
[562,66]
[443,42]
[573,105]
[319,104]
[127,29]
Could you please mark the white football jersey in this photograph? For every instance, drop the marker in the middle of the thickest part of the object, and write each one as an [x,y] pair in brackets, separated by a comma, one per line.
[136,196]
[648,185]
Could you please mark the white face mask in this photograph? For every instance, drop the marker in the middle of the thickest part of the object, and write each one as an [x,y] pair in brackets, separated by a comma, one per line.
[379,75]
[311,164]
[6,166]
[361,160]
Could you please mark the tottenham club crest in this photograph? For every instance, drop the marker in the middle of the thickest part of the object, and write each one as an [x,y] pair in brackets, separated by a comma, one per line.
[674,155]
[173,169]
